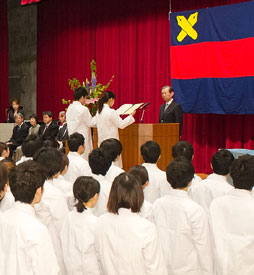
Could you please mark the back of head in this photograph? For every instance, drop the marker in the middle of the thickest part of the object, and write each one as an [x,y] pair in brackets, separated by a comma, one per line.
[126,192]
[242,172]
[50,142]
[139,172]
[79,92]
[25,179]
[84,188]
[150,151]
[31,144]
[3,176]
[221,162]
[3,146]
[183,149]
[50,159]
[64,162]
[9,165]
[113,146]
[104,99]
[180,172]
[99,161]
[74,141]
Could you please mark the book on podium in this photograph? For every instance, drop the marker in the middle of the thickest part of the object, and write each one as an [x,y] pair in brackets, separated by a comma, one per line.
[127,109]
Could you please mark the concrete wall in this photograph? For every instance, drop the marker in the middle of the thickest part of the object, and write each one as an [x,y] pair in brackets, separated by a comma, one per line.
[22,31]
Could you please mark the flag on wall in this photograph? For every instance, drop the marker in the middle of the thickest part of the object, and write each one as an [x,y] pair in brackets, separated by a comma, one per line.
[212,59]
[24,2]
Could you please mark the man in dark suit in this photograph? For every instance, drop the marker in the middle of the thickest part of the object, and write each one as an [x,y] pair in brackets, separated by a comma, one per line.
[63,131]
[19,134]
[49,129]
[170,111]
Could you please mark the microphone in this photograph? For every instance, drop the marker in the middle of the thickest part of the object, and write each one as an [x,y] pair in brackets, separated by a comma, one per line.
[146,104]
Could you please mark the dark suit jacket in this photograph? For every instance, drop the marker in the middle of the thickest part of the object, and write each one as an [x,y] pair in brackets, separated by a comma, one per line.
[11,118]
[50,133]
[173,114]
[19,135]
[62,133]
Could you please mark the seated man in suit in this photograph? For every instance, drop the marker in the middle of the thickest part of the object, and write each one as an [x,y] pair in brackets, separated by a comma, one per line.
[170,111]
[49,129]
[19,134]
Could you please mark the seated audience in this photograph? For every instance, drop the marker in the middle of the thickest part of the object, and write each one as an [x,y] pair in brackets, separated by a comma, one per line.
[49,129]
[183,225]
[158,185]
[78,166]
[77,235]
[4,178]
[125,242]
[19,134]
[4,151]
[232,220]
[216,184]
[35,126]
[99,163]
[13,110]
[31,251]
[52,209]
[62,135]
[140,173]
[113,148]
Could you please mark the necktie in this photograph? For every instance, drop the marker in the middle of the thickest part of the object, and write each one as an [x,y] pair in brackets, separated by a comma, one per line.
[45,129]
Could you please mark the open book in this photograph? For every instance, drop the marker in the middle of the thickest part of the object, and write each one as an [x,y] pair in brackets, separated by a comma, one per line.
[127,109]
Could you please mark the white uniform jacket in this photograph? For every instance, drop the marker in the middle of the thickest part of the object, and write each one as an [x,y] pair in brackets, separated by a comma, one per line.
[127,244]
[33,251]
[23,158]
[77,238]
[113,172]
[184,233]
[146,211]
[158,185]
[232,219]
[80,120]
[7,201]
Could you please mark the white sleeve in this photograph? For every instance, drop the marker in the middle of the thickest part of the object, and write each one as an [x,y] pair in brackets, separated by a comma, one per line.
[121,123]
[88,119]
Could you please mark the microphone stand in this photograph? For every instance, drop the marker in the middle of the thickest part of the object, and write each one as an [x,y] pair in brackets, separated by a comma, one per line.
[142,116]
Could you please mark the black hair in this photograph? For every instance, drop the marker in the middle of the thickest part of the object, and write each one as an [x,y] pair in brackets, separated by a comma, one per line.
[31,144]
[99,162]
[3,176]
[104,99]
[50,142]
[3,146]
[49,113]
[221,162]
[35,117]
[25,179]
[183,148]
[242,172]
[113,146]
[50,159]
[64,162]
[79,92]
[150,151]
[74,141]
[180,172]
[84,188]
[140,173]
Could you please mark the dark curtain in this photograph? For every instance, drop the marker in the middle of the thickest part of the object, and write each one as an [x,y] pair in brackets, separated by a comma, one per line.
[128,39]
[4,92]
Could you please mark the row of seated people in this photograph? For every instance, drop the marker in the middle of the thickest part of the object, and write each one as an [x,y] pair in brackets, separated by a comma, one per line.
[79,217]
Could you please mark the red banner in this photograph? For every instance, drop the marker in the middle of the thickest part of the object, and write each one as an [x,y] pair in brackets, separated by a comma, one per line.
[25,2]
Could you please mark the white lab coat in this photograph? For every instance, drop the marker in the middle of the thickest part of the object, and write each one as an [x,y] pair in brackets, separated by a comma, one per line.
[80,120]
[33,247]
[105,187]
[78,166]
[158,185]
[146,211]
[184,233]
[127,244]
[8,200]
[52,211]
[113,172]
[232,219]
[23,158]
[206,191]
[77,238]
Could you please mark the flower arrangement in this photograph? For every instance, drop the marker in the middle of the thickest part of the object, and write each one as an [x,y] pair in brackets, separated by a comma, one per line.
[95,90]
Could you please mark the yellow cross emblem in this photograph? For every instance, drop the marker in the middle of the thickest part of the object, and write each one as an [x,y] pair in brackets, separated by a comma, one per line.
[186,26]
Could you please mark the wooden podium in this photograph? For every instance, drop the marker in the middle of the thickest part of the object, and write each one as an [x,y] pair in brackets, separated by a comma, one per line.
[132,137]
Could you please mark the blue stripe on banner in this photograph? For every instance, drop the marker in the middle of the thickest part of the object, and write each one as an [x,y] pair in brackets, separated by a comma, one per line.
[222,23]
[215,95]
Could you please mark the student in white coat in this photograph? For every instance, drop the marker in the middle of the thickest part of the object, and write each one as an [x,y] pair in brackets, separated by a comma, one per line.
[3,181]
[232,219]
[77,235]
[158,185]
[31,250]
[183,225]
[53,208]
[113,148]
[216,184]
[79,119]
[140,173]
[108,121]
[125,242]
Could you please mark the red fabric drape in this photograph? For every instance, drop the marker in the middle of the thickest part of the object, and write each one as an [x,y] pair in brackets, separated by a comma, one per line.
[4,92]
[25,2]
[128,39]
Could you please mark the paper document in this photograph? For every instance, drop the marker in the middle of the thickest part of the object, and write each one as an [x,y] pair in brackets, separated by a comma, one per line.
[127,109]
